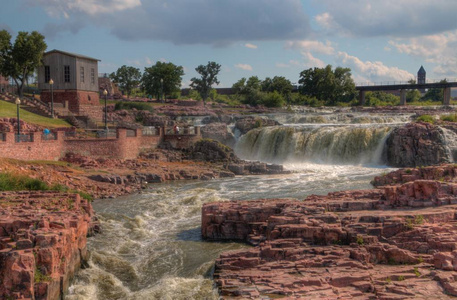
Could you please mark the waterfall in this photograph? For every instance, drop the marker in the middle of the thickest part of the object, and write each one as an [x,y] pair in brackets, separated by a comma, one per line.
[315,144]
[450,137]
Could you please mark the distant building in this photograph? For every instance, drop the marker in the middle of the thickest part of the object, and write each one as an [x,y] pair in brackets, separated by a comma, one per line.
[421,76]
[75,80]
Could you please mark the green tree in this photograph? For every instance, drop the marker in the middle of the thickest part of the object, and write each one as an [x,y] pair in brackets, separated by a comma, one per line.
[208,77]
[413,95]
[127,78]
[279,84]
[328,85]
[273,99]
[168,72]
[434,94]
[21,59]
[379,98]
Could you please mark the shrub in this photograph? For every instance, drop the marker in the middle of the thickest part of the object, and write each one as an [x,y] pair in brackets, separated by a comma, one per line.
[360,240]
[426,118]
[449,118]
[132,105]
[12,182]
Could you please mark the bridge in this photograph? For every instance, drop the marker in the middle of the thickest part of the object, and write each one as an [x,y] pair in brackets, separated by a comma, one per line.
[403,87]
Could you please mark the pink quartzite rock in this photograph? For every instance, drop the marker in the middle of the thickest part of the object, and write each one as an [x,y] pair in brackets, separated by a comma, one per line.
[386,243]
[42,242]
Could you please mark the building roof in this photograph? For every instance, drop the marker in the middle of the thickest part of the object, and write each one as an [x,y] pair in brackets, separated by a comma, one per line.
[421,70]
[71,54]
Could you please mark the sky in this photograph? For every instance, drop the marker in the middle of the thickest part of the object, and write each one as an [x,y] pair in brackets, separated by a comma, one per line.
[380,41]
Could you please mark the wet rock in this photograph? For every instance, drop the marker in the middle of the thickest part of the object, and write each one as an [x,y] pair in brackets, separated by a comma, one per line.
[218,132]
[42,249]
[248,123]
[363,244]
[416,144]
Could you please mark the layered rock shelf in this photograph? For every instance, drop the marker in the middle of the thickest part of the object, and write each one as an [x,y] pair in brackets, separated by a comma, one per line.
[393,242]
[42,242]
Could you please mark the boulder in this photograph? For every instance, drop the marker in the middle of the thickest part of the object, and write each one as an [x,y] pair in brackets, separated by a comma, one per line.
[416,144]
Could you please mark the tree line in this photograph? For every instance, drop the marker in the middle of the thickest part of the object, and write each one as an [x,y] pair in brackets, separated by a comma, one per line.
[317,86]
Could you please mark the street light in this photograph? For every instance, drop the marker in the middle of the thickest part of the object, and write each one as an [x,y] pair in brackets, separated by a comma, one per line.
[18,102]
[51,83]
[105,93]
[161,89]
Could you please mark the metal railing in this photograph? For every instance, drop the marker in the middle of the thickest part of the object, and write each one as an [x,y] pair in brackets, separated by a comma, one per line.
[370,83]
[23,138]
[51,136]
[150,130]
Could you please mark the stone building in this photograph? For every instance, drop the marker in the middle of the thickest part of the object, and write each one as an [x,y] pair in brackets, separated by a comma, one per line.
[75,85]
[421,77]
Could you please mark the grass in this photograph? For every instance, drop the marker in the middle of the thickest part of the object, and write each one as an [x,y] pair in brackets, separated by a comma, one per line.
[449,118]
[40,277]
[13,182]
[9,110]
[426,118]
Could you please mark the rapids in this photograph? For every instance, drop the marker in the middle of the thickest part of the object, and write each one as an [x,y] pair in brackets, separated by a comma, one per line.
[151,247]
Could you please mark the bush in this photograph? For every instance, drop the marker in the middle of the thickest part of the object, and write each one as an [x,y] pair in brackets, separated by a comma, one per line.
[273,99]
[12,182]
[426,118]
[449,118]
[131,105]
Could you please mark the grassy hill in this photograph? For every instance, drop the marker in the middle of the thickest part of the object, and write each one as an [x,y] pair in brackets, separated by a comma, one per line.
[9,110]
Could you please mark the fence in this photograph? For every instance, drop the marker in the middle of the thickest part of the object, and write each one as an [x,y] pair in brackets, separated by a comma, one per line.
[51,136]
[23,138]
[150,130]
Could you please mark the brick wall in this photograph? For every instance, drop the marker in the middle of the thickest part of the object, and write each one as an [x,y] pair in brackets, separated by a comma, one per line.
[37,150]
[79,102]
[123,146]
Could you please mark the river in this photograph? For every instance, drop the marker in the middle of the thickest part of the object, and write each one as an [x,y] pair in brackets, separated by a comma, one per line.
[151,247]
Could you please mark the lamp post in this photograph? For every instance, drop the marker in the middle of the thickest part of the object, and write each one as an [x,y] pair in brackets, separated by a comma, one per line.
[51,83]
[105,93]
[18,102]
[161,89]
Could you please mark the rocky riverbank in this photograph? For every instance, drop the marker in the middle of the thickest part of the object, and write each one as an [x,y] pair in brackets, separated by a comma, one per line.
[393,242]
[42,242]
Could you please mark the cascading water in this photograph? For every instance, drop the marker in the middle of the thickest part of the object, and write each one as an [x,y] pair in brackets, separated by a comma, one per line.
[321,144]
[151,246]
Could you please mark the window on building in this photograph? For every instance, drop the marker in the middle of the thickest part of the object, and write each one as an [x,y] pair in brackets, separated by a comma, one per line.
[82,74]
[47,74]
[66,73]
[92,76]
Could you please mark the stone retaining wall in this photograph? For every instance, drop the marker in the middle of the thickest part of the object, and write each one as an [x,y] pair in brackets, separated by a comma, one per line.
[123,146]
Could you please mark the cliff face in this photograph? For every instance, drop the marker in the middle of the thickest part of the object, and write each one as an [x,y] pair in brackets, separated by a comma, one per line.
[42,242]
[416,144]
[394,242]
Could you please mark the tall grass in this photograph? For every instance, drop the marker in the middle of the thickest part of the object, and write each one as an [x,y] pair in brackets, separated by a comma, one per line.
[14,182]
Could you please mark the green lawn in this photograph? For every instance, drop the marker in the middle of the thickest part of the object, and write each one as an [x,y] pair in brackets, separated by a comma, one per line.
[9,110]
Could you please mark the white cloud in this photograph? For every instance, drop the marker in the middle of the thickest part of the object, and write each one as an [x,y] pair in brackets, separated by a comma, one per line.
[397,18]
[312,46]
[437,49]
[66,8]
[250,46]
[245,67]
[311,61]
[373,71]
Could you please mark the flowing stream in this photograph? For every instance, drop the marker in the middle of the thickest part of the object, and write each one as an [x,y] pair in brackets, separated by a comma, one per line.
[151,247]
